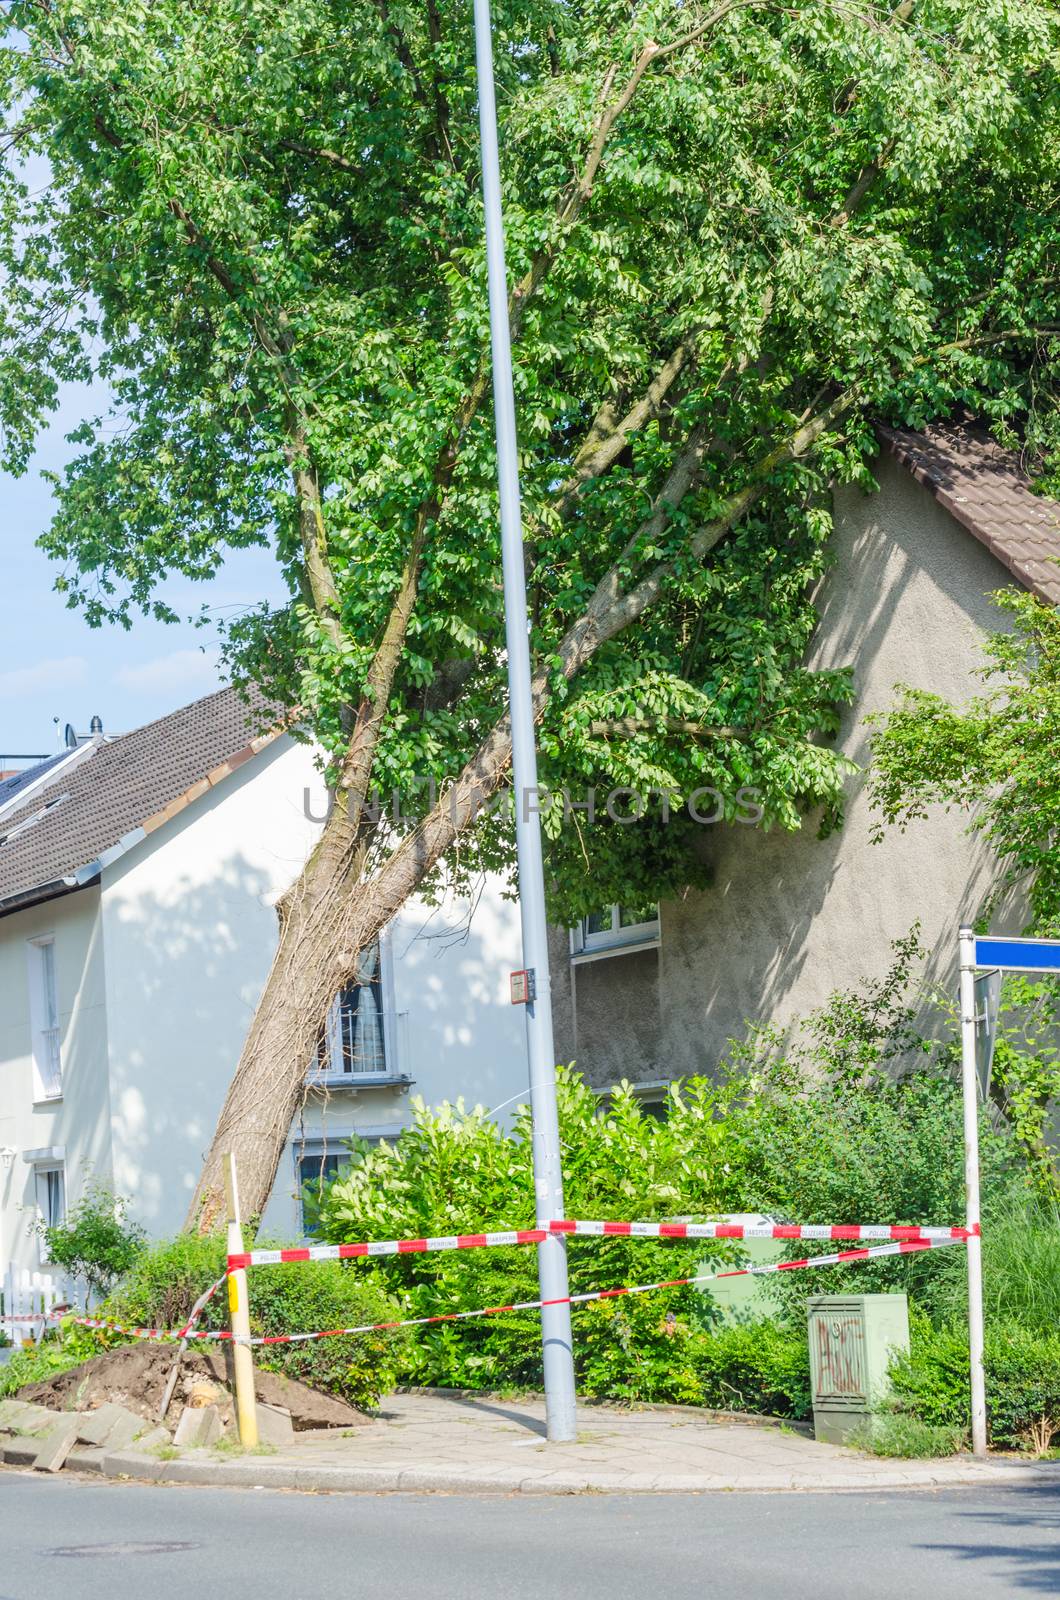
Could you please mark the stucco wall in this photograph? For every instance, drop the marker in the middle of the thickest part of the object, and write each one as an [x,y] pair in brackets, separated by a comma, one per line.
[790,918]
[79,1121]
[190,928]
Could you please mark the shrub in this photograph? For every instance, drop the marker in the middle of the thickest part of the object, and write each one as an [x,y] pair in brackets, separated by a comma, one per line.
[320,1295]
[167,1279]
[756,1366]
[1022,1382]
[859,1120]
[96,1241]
[455,1171]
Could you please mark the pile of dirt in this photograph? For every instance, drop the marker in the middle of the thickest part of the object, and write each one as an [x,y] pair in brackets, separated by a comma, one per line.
[135,1376]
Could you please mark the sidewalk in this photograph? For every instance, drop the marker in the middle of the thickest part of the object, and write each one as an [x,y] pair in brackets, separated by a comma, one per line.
[467,1444]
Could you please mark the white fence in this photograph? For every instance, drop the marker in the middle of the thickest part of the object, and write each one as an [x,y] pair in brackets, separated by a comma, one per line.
[27,1292]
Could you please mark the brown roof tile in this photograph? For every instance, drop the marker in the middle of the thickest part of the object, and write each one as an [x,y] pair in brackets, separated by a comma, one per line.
[984,488]
[91,803]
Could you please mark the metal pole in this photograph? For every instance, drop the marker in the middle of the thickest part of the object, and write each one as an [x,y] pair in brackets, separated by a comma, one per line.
[239,1313]
[548,1176]
[969,1084]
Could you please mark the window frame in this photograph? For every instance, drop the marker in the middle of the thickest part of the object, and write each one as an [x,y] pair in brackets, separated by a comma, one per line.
[331,1076]
[318,1145]
[616,940]
[45,1020]
[43,1170]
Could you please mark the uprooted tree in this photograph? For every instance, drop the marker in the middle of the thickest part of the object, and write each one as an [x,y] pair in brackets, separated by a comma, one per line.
[736,235]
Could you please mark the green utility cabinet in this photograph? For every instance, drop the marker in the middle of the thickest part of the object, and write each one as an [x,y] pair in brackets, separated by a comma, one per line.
[852,1338]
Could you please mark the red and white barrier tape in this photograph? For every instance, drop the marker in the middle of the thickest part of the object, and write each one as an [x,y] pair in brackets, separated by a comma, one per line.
[841,1258]
[188,1332]
[635,1230]
[386,1247]
[34,1316]
[765,1230]
[940,1237]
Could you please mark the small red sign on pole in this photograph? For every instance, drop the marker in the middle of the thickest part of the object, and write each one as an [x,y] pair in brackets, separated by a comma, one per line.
[523,990]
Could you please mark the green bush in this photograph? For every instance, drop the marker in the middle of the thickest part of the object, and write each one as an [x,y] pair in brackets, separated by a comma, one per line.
[96,1241]
[758,1366]
[858,1120]
[167,1279]
[1022,1382]
[458,1172]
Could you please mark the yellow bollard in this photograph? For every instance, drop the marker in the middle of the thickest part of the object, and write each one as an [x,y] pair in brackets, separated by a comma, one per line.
[239,1315]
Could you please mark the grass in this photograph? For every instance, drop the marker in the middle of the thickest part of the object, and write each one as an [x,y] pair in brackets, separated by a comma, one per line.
[897,1435]
[1021,1270]
[232,1447]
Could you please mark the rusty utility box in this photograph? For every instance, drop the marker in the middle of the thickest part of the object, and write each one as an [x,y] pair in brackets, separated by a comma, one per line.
[852,1339]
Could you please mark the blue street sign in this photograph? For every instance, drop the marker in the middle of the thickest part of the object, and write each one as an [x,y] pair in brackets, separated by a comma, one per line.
[1019,955]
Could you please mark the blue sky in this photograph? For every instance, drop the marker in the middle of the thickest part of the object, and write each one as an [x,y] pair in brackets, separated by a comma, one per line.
[53,665]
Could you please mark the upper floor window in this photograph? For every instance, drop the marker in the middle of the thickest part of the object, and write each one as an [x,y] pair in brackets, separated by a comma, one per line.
[616,928]
[44,1020]
[355,1040]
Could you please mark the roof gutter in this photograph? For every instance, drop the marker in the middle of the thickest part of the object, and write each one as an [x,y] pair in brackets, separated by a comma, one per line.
[42,893]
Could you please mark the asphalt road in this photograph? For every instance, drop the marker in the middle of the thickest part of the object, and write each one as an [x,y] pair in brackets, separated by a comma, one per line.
[63,1538]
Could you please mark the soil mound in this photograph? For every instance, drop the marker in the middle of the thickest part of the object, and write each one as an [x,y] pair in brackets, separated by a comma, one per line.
[134,1376]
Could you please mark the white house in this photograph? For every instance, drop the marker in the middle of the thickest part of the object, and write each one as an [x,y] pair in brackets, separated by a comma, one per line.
[138,880]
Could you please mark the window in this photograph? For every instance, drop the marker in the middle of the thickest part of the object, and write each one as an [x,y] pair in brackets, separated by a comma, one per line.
[614,929]
[318,1161]
[314,1171]
[50,1185]
[354,1042]
[44,1021]
[653,1097]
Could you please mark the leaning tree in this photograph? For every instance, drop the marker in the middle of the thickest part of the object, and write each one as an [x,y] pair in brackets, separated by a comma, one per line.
[737,234]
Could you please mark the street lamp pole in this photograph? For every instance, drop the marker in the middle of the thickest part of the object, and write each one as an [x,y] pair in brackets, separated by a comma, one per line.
[548,1175]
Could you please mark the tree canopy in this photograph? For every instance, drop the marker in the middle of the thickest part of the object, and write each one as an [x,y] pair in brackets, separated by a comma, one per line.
[997,758]
[736,234]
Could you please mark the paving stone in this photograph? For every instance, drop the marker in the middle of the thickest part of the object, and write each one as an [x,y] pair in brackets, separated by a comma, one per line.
[11,1411]
[35,1419]
[274,1425]
[96,1426]
[57,1444]
[124,1428]
[197,1428]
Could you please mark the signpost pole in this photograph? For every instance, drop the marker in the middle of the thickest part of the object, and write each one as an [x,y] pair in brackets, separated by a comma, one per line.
[969,1081]
[548,1175]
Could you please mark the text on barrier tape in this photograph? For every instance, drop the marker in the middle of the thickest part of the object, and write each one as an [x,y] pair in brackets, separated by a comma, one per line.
[629,1230]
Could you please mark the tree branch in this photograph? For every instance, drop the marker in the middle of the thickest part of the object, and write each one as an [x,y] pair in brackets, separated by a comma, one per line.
[317,153]
[629,727]
[606,615]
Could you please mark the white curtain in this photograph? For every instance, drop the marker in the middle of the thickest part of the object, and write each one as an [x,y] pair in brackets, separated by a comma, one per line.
[369,1051]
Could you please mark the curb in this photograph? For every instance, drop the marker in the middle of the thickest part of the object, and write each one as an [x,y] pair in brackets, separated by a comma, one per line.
[261,1473]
